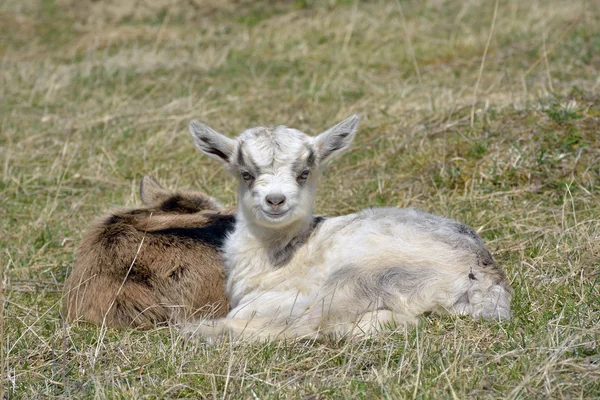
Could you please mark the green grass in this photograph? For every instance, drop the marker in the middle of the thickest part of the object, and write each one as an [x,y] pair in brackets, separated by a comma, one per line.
[94,95]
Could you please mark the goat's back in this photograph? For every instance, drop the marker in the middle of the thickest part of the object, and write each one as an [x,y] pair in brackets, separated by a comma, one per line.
[151,265]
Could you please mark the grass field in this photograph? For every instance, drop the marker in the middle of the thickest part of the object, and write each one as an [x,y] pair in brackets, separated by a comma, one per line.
[488,116]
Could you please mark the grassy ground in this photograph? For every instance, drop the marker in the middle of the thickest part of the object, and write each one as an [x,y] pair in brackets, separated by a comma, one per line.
[93,95]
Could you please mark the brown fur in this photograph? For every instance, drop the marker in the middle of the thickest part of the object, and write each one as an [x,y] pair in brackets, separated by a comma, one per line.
[151,265]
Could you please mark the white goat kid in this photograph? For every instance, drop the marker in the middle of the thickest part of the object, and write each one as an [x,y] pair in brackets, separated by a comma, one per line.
[293,275]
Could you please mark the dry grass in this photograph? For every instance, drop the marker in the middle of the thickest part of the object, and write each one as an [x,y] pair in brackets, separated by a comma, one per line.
[90,101]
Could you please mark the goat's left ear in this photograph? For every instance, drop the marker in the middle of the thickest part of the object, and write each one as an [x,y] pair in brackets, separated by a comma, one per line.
[211,142]
[337,139]
[151,192]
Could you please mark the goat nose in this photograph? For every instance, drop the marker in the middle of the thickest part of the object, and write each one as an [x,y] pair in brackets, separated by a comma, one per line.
[275,200]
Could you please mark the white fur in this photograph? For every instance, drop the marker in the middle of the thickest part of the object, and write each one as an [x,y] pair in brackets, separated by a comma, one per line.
[350,275]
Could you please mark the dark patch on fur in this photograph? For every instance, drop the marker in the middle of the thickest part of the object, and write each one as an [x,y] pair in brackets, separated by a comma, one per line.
[240,158]
[300,166]
[485,259]
[467,231]
[213,234]
[113,219]
[283,256]
[246,163]
[380,287]
[140,274]
[389,276]
[213,150]
[183,205]
[140,212]
[317,221]
[311,159]
[339,144]
[117,227]
[472,276]
[218,153]
[114,233]
[178,273]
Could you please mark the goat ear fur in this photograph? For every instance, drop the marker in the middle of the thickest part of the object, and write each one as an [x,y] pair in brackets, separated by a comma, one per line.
[336,139]
[151,192]
[211,142]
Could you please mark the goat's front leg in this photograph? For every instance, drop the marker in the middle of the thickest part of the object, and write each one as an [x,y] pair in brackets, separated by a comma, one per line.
[368,324]
[255,328]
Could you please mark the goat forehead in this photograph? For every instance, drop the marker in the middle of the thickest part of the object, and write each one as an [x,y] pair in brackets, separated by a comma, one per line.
[271,149]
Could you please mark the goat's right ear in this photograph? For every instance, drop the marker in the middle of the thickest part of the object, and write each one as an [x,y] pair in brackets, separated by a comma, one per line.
[151,192]
[336,139]
[211,142]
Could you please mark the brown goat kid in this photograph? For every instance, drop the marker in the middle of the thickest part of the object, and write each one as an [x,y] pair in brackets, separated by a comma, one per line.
[151,265]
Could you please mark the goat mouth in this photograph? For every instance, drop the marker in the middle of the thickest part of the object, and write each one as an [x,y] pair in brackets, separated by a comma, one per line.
[275,214]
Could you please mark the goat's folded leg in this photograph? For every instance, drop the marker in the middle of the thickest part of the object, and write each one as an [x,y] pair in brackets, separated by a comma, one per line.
[253,328]
[369,324]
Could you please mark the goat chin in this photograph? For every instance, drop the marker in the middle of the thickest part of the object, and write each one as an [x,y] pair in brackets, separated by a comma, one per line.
[348,276]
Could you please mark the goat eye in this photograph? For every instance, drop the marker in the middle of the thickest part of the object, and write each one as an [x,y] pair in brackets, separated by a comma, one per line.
[304,175]
[247,177]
